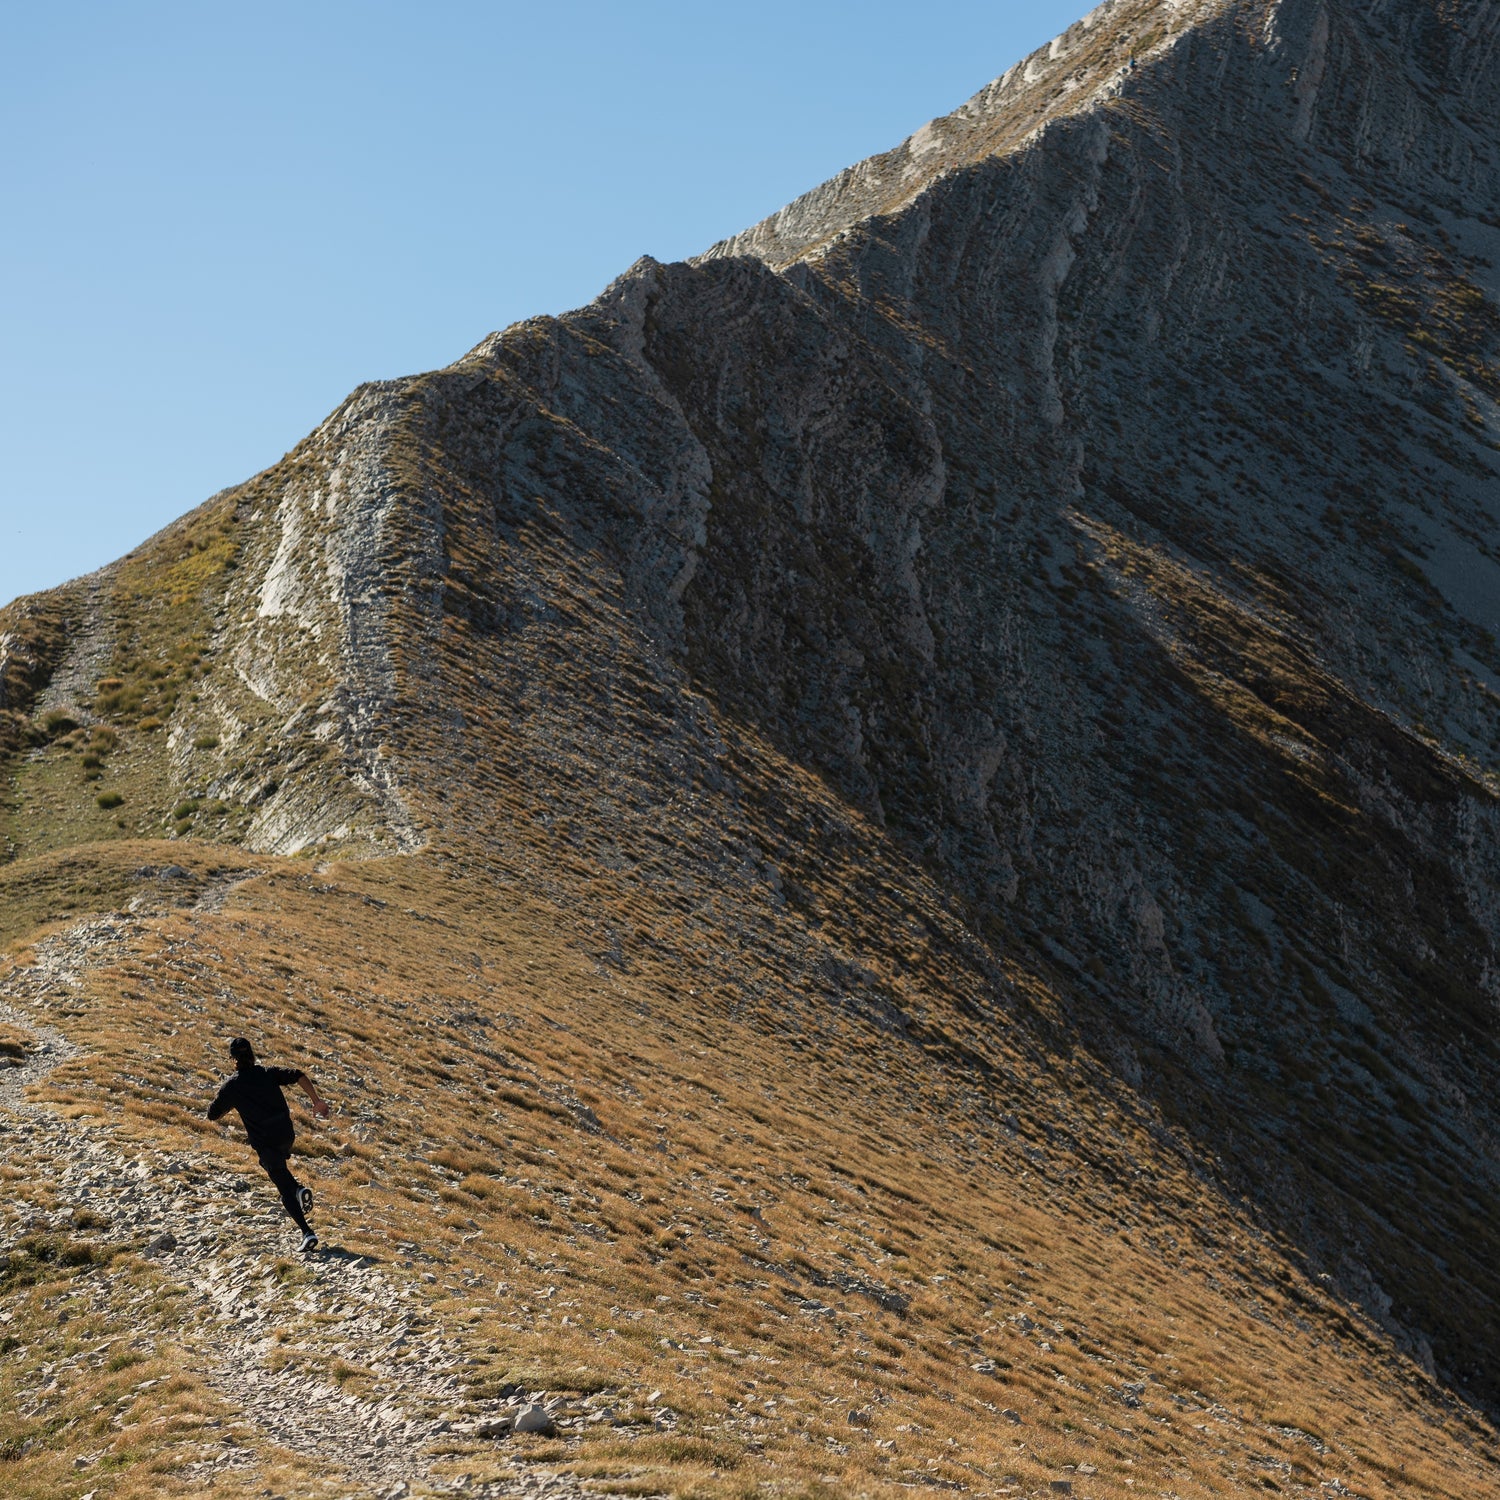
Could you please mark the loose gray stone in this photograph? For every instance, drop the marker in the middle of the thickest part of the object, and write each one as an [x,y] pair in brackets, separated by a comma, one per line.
[534,1419]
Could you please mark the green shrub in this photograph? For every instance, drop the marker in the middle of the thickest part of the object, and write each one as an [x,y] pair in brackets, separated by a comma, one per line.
[56,723]
[108,800]
[28,1262]
[119,700]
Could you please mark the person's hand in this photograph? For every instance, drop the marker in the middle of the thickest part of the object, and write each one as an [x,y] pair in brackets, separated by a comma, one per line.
[320,1109]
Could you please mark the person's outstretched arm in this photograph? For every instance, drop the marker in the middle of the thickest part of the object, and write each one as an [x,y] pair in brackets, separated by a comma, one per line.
[319,1104]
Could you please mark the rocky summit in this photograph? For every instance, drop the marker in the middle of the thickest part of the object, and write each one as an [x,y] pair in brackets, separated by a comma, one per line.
[886,841]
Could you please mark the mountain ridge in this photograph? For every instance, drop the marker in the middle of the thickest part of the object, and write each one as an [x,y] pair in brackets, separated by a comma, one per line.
[1001,121]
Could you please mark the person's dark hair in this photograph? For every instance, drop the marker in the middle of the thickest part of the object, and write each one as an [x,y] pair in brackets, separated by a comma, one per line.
[242,1053]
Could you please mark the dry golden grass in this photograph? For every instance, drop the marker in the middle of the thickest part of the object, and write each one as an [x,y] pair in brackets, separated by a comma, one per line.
[623,1182]
[52,889]
[91,1400]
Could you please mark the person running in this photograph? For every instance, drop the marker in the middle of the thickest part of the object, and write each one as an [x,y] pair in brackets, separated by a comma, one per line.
[256,1093]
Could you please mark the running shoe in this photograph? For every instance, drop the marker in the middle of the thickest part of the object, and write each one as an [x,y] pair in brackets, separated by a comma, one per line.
[304,1199]
[309,1242]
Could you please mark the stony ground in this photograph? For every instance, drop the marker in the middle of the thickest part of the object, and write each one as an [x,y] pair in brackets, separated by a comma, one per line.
[72,688]
[702,1236]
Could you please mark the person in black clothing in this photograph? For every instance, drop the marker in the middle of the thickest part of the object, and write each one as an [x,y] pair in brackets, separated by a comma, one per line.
[256,1093]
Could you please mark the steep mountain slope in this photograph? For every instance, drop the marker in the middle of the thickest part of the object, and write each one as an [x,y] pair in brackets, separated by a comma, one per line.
[999,660]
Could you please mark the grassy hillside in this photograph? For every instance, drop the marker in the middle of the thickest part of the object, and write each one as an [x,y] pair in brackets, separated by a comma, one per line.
[756,1215]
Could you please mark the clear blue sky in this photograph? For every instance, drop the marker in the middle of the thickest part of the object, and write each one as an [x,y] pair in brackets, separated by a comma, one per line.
[217,220]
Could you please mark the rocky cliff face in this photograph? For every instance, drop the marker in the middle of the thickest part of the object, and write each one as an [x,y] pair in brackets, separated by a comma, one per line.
[1100,493]
[1112,516]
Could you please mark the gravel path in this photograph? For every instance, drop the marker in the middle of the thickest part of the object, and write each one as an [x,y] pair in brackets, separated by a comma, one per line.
[90,651]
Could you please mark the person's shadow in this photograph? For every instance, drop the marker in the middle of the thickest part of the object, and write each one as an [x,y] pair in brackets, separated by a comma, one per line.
[338,1252]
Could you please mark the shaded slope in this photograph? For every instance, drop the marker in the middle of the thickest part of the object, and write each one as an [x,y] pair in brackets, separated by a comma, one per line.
[1068,523]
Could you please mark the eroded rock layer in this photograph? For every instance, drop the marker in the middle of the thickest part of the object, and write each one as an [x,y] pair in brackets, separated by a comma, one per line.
[1114,522]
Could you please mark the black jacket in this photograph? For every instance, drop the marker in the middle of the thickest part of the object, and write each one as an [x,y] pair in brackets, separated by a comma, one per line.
[256,1092]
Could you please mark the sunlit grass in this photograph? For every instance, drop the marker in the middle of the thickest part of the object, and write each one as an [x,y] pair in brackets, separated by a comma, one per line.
[620,1188]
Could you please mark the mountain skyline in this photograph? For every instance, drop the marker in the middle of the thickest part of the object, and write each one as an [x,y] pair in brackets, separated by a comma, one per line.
[211,215]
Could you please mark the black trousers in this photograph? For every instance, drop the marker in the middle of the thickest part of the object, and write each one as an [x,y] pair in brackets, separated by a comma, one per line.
[272,1156]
